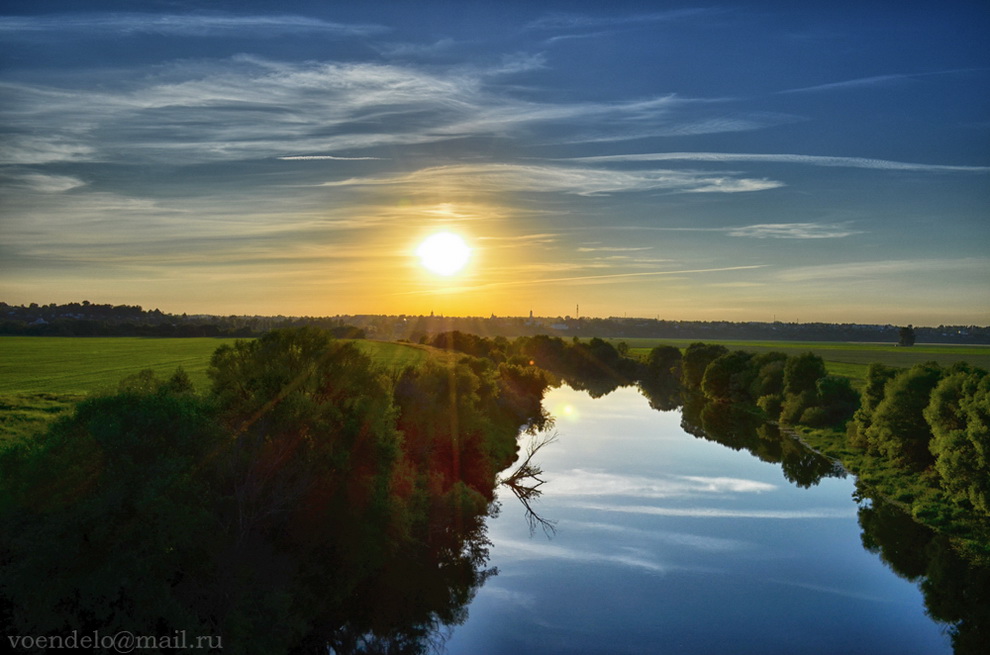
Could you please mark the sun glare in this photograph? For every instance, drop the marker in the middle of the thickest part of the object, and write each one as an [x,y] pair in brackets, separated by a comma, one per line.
[443,253]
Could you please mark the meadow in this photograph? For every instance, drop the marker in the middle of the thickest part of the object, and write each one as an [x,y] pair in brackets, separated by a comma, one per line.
[42,377]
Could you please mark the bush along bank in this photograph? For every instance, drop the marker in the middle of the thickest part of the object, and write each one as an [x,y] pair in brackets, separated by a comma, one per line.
[918,437]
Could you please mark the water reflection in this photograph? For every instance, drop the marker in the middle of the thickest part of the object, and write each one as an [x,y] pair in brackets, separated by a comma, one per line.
[956,592]
[525,482]
[666,544]
[736,428]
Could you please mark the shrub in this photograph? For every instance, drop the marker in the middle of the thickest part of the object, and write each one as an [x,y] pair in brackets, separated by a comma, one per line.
[771,405]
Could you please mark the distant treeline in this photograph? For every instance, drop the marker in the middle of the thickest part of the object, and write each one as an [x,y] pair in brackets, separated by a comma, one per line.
[88,319]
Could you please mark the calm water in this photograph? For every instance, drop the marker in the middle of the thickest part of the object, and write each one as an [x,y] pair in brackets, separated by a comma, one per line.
[667,543]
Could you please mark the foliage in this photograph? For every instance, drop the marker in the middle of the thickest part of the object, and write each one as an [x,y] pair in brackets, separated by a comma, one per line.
[663,361]
[108,508]
[728,377]
[906,336]
[795,405]
[594,366]
[877,376]
[959,416]
[771,404]
[695,361]
[308,489]
[838,399]
[734,427]
[802,373]
[769,379]
[898,429]
[956,592]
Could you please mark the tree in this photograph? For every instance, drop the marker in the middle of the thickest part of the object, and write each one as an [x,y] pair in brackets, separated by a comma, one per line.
[838,399]
[108,509]
[663,361]
[769,378]
[728,377]
[959,416]
[877,377]
[286,493]
[801,373]
[898,429]
[906,336]
[696,359]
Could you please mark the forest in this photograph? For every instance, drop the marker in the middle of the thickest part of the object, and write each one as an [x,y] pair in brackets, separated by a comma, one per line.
[306,489]
[310,488]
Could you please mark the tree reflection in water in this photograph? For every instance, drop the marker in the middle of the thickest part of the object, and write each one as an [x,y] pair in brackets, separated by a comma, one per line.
[957,592]
[525,483]
[736,428]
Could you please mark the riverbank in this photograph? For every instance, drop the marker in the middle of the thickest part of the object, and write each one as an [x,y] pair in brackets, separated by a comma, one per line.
[918,494]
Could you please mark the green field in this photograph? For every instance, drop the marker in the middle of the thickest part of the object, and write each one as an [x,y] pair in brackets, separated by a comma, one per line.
[42,377]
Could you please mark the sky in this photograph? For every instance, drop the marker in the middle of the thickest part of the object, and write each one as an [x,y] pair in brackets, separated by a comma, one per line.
[740,161]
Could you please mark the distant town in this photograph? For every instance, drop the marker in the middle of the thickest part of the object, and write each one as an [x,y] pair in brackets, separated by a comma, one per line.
[89,319]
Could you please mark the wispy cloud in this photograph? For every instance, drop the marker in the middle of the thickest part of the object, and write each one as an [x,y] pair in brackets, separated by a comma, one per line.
[761,230]
[612,248]
[526,550]
[793,231]
[882,269]
[568,21]
[693,541]
[562,179]
[188,25]
[812,160]
[581,482]
[43,182]
[328,157]
[875,80]
[416,49]
[721,512]
[247,107]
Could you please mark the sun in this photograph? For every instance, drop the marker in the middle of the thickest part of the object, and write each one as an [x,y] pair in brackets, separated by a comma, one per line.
[443,253]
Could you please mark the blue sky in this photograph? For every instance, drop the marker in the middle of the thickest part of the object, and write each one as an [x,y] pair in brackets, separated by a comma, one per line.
[736,161]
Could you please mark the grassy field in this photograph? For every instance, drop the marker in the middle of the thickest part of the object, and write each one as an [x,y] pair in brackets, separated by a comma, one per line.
[43,377]
[847,359]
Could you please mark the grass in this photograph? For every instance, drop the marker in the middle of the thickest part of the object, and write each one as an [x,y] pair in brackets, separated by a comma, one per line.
[42,378]
[83,365]
[392,355]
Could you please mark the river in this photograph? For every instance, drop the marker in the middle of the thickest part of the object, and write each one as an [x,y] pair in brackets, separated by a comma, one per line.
[666,542]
